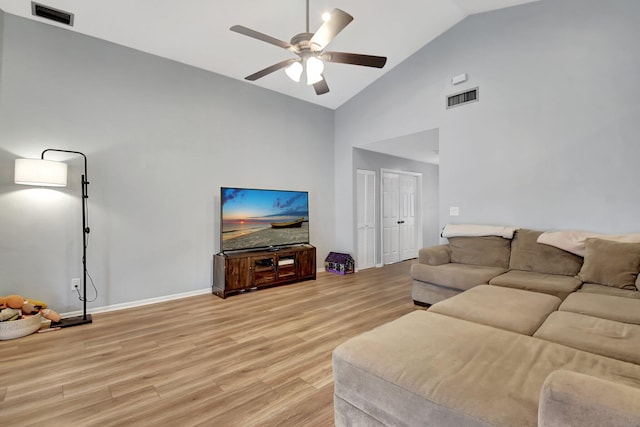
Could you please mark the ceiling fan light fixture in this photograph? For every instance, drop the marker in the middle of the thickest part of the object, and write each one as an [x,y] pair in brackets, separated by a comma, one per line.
[313,79]
[315,67]
[294,71]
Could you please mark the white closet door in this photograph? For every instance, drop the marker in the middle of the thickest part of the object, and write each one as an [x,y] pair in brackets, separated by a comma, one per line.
[408,232]
[390,217]
[400,216]
[366,218]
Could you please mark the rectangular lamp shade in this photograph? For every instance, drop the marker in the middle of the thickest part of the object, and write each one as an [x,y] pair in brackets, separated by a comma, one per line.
[40,172]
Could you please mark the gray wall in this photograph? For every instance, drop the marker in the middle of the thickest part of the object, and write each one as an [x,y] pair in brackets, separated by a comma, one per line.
[553,141]
[1,40]
[161,138]
[369,160]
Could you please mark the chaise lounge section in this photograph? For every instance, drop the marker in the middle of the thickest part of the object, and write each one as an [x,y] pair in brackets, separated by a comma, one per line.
[431,369]
[509,353]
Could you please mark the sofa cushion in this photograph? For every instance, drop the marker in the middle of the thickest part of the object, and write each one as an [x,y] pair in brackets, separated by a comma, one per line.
[608,338]
[505,308]
[455,276]
[553,284]
[529,255]
[490,251]
[611,263]
[426,368]
[595,288]
[572,399]
[620,309]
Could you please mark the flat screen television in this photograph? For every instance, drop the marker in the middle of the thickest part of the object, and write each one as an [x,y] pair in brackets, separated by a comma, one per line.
[262,219]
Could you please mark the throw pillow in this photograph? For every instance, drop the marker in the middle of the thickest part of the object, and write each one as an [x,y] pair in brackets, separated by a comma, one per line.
[611,263]
[490,251]
[529,255]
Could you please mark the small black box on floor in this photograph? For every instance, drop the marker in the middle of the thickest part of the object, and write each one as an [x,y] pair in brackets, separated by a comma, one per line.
[339,263]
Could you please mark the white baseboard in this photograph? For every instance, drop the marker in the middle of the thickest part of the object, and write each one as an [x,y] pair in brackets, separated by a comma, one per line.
[139,303]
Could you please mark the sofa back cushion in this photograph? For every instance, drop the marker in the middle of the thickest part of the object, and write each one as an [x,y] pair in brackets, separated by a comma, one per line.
[529,255]
[490,251]
[611,263]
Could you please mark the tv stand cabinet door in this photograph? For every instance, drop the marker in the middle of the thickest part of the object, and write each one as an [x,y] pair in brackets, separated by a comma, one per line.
[263,269]
[230,274]
[237,274]
[307,263]
[286,262]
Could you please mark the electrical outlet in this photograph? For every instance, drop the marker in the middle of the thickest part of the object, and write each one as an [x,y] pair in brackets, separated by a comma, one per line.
[75,284]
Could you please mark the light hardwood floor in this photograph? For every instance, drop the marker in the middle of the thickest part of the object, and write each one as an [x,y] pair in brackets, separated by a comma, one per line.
[261,358]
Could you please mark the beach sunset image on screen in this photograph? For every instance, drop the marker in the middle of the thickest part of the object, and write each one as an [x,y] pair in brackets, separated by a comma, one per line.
[255,218]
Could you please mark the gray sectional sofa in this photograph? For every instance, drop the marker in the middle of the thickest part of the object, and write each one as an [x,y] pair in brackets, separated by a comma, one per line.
[518,333]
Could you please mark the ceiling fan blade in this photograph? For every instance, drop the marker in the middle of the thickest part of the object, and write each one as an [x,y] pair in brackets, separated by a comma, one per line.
[263,37]
[355,59]
[327,31]
[271,69]
[321,87]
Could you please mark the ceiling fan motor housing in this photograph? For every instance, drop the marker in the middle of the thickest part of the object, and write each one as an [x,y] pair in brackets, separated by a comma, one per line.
[302,42]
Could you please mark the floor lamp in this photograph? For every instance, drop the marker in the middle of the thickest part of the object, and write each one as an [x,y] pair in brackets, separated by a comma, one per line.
[49,173]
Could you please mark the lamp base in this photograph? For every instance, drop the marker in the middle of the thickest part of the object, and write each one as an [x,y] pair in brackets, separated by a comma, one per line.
[72,321]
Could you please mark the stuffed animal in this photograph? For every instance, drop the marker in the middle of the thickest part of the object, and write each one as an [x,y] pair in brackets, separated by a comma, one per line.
[17,301]
[37,303]
[17,304]
[9,314]
[47,313]
[28,308]
[14,301]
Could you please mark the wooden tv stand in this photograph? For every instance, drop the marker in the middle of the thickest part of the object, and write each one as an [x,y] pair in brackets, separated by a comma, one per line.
[235,272]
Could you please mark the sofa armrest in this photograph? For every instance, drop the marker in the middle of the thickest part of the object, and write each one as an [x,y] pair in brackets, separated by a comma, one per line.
[434,255]
[574,399]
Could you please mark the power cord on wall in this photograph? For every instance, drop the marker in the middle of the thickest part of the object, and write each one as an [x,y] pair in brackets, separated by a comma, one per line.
[81,297]
[95,290]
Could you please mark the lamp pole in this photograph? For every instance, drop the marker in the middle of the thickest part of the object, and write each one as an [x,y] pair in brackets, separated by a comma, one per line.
[85,318]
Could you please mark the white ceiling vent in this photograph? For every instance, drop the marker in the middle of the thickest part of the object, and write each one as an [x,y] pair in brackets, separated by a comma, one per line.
[462,98]
[47,12]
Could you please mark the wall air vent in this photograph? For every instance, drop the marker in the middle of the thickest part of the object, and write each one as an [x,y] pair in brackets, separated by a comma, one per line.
[462,98]
[47,12]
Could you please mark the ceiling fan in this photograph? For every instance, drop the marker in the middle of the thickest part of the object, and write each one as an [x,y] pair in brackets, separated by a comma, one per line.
[310,50]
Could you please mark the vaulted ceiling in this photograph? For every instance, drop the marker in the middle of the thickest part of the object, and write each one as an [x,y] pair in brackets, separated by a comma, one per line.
[196,32]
